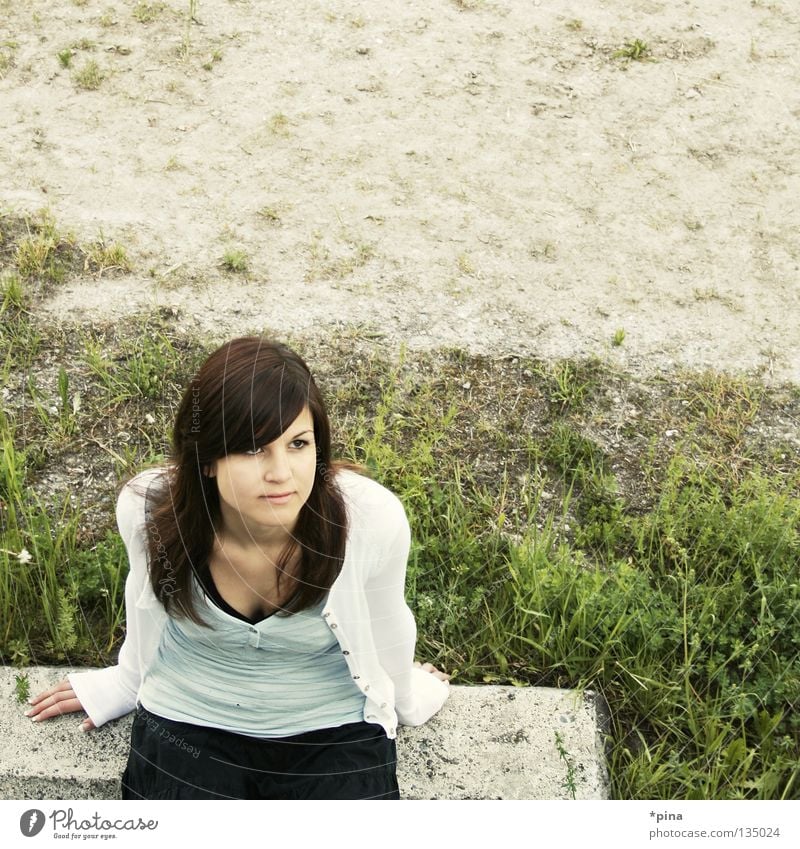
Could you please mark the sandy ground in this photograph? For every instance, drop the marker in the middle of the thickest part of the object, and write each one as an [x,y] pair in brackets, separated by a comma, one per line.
[482,174]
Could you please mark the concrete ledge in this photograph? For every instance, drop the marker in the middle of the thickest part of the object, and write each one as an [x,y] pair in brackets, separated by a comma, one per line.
[486,743]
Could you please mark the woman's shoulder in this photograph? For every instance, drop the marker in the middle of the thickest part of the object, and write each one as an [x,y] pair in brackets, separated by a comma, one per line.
[132,495]
[369,501]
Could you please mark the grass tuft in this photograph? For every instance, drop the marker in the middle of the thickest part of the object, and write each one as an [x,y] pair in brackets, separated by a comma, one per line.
[636,50]
[89,76]
[235,260]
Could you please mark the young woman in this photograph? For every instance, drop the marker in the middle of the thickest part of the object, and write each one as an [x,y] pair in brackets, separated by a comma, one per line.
[269,651]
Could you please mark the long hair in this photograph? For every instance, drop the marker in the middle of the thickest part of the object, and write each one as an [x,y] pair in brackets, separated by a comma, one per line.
[243,396]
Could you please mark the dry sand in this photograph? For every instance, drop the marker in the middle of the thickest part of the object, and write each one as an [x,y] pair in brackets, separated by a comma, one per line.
[482,174]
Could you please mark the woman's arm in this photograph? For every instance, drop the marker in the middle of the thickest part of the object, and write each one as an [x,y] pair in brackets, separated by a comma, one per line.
[419,692]
[106,694]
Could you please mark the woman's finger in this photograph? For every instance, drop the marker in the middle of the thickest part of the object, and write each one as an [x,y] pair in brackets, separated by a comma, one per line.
[60,702]
[61,685]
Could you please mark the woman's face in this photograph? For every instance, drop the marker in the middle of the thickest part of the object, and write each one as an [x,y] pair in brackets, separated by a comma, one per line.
[261,492]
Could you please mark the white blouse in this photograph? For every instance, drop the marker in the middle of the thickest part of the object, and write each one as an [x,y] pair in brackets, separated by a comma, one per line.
[365,610]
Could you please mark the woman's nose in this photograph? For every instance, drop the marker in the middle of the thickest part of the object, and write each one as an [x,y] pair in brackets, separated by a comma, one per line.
[277,467]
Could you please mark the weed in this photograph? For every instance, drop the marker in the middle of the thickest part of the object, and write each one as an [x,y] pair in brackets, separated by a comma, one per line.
[102,256]
[636,50]
[569,780]
[107,20]
[6,61]
[543,250]
[185,47]
[278,124]
[89,76]
[22,687]
[574,24]
[465,264]
[12,292]
[568,383]
[146,13]
[235,260]
[324,265]
[65,57]
[44,253]
[83,44]
[270,214]
[618,338]
[216,56]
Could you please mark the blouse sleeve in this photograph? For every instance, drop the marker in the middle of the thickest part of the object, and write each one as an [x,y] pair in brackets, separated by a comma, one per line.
[109,693]
[418,693]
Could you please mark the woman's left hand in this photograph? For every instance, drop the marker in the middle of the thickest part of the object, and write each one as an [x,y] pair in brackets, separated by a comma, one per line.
[429,667]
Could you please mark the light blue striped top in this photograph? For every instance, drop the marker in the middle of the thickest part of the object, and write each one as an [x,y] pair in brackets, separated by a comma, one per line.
[278,677]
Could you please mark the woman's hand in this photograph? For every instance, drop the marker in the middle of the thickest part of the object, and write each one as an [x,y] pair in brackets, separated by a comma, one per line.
[429,667]
[58,700]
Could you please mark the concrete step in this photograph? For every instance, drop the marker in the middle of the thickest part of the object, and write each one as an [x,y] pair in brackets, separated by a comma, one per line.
[487,742]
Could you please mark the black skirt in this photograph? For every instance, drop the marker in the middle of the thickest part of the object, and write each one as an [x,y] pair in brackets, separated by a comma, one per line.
[178,760]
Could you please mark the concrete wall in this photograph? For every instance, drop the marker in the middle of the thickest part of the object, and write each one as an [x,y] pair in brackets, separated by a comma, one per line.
[488,742]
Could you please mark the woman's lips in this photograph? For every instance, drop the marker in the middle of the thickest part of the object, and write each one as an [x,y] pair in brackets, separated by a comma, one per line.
[278,499]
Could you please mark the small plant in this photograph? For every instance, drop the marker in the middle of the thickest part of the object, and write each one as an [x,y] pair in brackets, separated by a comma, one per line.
[65,57]
[235,260]
[69,410]
[12,293]
[270,214]
[574,24]
[569,780]
[146,13]
[89,76]
[569,383]
[465,264]
[83,44]
[216,56]
[278,124]
[107,20]
[22,687]
[186,43]
[636,50]
[106,257]
[5,61]
[618,338]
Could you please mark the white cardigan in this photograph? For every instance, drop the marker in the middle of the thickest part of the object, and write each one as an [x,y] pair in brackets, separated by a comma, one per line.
[366,611]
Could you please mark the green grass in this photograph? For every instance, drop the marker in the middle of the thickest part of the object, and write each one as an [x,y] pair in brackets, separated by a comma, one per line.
[104,257]
[89,76]
[636,50]
[659,572]
[235,260]
[146,13]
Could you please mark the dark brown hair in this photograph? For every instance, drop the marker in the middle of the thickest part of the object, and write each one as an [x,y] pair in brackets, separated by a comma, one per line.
[243,396]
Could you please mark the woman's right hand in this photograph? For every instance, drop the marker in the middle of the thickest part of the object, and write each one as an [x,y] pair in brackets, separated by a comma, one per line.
[56,701]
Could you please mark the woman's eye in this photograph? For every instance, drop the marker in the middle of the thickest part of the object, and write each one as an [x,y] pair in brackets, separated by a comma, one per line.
[295,443]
